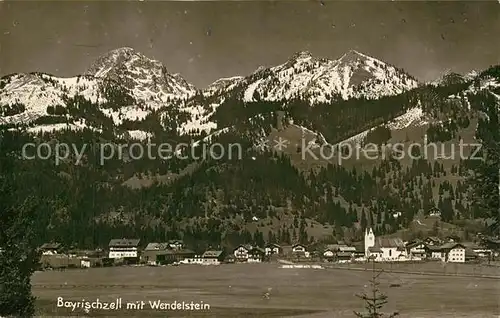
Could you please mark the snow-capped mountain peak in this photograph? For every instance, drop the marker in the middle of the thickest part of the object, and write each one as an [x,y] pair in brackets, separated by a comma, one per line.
[222,84]
[323,80]
[301,55]
[142,75]
[353,55]
[123,83]
[113,59]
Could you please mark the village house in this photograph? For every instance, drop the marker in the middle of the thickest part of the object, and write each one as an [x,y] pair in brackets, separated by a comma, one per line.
[212,257]
[123,248]
[347,249]
[329,252]
[256,255]
[175,244]
[452,239]
[448,252]
[59,261]
[453,252]
[229,259]
[150,254]
[299,250]
[241,253]
[87,262]
[97,253]
[194,260]
[435,212]
[359,250]
[433,251]
[344,257]
[272,249]
[477,250]
[432,241]
[50,248]
[339,252]
[175,256]
[384,249]
[492,244]
[416,250]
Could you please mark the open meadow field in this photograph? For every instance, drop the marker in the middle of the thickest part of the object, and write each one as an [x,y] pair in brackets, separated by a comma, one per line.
[238,291]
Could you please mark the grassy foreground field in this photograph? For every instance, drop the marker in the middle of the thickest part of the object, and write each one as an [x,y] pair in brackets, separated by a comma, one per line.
[237,291]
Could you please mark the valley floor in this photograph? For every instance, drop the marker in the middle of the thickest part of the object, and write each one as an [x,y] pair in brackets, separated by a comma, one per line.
[239,291]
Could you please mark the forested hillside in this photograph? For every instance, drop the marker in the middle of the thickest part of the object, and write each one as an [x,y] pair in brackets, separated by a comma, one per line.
[265,194]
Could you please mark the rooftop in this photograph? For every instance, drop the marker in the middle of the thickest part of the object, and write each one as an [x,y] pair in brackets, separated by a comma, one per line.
[156,246]
[50,246]
[389,242]
[124,242]
[208,254]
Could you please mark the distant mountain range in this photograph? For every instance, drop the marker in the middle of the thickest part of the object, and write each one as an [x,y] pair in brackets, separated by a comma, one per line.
[145,85]
[306,101]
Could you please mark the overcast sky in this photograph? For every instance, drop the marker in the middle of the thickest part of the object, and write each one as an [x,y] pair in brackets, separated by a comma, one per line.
[207,40]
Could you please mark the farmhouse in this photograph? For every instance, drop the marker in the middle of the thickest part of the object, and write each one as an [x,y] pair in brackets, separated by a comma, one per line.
[479,251]
[343,257]
[435,212]
[196,259]
[453,252]
[50,248]
[176,244]
[272,249]
[449,252]
[123,248]
[229,259]
[330,252]
[59,261]
[97,253]
[151,252]
[299,250]
[212,257]
[175,256]
[347,249]
[241,253]
[452,239]
[339,252]
[432,240]
[416,250]
[256,255]
[491,243]
[87,262]
[433,252]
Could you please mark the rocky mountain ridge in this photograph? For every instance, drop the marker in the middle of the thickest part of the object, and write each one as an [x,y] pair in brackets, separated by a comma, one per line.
[138,86]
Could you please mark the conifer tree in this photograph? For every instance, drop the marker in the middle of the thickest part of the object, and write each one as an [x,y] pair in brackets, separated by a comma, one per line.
[18,255]
[374,300]
[485,180]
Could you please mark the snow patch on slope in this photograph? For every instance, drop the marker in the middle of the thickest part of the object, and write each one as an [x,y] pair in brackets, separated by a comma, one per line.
[249,92]
[139,134]
[412,117]
[199,119]
[50,128]
[37,91]
[131,113]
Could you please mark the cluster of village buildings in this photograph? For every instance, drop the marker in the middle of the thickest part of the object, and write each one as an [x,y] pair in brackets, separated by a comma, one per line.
[129,251]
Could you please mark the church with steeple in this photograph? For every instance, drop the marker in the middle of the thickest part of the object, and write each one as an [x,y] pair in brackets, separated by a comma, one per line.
[383,249]
[369,241]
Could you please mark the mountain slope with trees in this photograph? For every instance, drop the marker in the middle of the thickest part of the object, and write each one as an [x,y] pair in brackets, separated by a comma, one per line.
[265,195]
